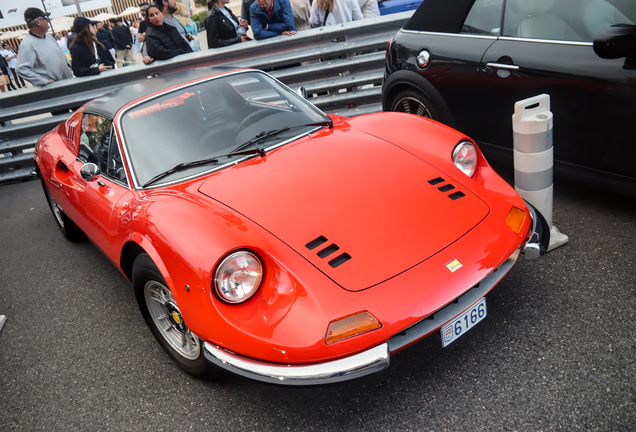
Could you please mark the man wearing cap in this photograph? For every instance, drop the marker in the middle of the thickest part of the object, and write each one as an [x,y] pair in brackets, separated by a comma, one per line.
[40,60]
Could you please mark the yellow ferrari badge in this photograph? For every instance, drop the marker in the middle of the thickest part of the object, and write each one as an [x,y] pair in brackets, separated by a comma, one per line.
[454,265]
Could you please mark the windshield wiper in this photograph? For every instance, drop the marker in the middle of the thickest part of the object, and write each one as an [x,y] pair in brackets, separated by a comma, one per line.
[270,133]
[259,137]
[238,151]
[213,160]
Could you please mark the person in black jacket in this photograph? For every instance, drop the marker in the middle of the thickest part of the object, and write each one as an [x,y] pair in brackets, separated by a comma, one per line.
[222,26]
[88,55]
[123,42]
[163,41]
[106,38]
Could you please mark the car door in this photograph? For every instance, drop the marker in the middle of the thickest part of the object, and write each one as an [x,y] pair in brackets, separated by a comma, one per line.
[100,196]
[593,100]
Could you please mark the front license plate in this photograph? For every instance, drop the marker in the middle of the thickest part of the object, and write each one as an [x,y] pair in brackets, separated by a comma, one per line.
[463,322]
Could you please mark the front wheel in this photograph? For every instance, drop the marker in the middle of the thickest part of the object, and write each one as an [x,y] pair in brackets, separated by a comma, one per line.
[414,102]
[163,316]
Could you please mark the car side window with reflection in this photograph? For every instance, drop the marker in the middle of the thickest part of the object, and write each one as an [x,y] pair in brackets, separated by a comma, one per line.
[95,140]
[484,18]
[565,20]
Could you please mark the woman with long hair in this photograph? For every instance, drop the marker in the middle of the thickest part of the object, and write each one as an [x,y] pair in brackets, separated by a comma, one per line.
[330,12]
[222,26]
[88,55]
[163,41]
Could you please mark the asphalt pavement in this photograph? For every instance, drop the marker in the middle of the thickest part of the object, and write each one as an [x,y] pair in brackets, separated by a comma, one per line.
[557,350]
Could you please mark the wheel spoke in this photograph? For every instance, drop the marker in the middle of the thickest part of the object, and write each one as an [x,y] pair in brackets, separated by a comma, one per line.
[406,106]
[184,340]
[422,111]
[158,295]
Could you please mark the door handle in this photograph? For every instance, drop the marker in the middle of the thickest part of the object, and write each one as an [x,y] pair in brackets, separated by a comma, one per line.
[504,66]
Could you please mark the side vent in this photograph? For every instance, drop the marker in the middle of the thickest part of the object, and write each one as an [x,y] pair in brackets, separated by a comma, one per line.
[435,181]
[328,251]
[457,195]
[70,132]
[446,188]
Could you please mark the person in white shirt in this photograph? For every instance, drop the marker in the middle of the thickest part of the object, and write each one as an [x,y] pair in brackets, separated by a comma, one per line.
[330,12]
[369,8]
[10,56]
[61,41]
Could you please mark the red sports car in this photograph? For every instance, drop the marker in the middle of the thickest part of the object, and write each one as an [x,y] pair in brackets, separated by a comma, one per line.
[269,239]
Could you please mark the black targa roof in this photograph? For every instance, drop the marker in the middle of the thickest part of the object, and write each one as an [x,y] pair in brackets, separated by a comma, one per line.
[108,105]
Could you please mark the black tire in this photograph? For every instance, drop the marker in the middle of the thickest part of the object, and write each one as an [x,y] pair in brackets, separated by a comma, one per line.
[68,228]
[414,102]
[157,305]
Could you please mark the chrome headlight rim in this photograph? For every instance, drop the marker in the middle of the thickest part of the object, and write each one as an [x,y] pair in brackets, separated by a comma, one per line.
[472,168]
[220,270]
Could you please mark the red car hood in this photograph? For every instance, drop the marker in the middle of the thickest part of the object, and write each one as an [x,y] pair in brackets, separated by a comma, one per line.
[369,198]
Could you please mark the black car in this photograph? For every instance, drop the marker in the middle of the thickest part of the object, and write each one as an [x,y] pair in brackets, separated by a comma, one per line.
[466,62]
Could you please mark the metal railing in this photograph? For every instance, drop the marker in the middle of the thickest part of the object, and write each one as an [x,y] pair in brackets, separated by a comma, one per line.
[340,66]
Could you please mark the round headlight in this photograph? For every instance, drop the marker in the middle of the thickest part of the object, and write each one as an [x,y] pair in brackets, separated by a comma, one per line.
[465,158]
[238,277]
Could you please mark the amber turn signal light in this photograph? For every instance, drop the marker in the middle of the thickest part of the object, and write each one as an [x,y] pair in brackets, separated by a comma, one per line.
[515,219]
[350,326]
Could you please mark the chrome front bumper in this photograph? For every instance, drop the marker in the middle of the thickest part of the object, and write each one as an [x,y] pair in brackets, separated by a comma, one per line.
[365,363]
[356,366]
[539,239]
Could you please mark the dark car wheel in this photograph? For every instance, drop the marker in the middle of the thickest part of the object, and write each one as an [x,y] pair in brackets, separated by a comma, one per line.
[70,231]
[162,314]
[414,102]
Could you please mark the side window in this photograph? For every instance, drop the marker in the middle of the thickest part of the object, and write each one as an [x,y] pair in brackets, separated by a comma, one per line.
[484,18]
[565,20]
[115,168]
[95,140]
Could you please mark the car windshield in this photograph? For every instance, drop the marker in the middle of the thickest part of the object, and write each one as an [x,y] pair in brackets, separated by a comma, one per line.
[209,119]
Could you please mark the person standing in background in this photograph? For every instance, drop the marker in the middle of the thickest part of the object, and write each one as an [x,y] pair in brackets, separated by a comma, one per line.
[169,8]
[271,18]
[123,43]
[302,14]
[369,8]
[104,36]
[10,56]
[40,60]
[89,55]
[223,27]
[330,12]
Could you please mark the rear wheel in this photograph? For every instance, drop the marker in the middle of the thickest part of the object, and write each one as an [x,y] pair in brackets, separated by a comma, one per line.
[163,316]
[64,223]
[414,102]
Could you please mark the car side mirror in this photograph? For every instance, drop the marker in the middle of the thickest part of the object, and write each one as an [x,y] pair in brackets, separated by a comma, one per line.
[617,41]
[89,171]
[302,92]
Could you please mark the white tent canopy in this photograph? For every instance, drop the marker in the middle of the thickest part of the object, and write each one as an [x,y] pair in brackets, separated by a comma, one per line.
[104,16]
[13,34]
[62,23]
[129,11]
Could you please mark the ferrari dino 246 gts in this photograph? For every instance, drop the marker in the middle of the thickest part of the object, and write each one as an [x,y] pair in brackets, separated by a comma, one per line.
[269,239]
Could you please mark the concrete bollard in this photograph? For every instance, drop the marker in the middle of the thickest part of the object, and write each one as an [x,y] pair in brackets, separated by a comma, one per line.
[533,158]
